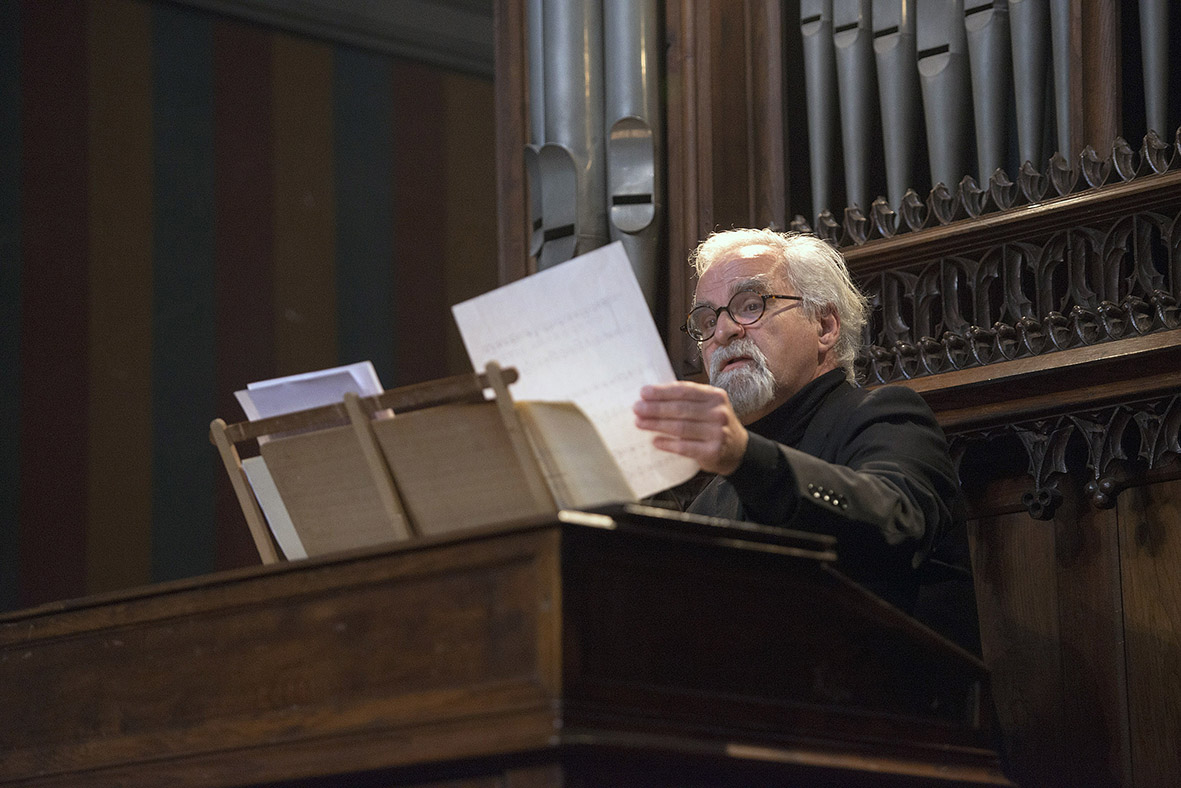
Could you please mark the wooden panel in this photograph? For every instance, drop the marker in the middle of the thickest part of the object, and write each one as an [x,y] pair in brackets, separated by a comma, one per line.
[731,161]
[1090,620]
[510,651]
[1013,558]
[725,135]
[769,173]
[1102,95]
[682,140]
[314,669]
[1150,546]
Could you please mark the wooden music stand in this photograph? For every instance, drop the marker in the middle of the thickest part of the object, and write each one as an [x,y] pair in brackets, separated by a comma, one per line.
[419,460]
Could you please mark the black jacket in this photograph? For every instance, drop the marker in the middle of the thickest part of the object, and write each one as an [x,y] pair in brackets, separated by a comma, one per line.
[869,466]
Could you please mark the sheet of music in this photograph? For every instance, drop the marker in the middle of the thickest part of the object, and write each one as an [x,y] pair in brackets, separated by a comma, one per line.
[581,331]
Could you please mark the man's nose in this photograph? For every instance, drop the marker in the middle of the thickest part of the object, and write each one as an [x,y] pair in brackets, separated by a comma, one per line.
[728,329]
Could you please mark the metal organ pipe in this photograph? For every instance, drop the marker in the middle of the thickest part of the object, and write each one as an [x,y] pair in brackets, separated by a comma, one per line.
[570,163]
[595,131]
[1154,40]
[989,53]
[632,46]
[898,90]
[1060,44]
[1029,36]
[946,87]
[820,83]
[856,88]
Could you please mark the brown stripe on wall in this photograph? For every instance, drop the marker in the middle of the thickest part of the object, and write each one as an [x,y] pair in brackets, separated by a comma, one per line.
[244,244]
[54,367]
[304,206]
[119,479]
[420,221]
[470,179]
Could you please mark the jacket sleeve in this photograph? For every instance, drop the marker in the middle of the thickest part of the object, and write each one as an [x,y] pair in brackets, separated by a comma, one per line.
[883,483]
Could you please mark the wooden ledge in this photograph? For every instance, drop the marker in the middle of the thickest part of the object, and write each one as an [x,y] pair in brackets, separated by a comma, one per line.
[1126,370]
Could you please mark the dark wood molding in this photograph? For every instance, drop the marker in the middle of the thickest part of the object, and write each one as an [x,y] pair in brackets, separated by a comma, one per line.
[453,35]
[972,235]
[512,128]
[1138,368]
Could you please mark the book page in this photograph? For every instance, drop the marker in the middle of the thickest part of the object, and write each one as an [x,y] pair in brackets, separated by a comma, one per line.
[581,331]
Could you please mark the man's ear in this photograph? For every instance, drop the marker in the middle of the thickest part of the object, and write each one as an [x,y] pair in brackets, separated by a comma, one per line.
[828,326]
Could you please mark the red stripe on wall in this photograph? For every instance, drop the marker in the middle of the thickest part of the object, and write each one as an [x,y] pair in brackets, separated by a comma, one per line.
[244,244]
[54,367]
[119,518]
[421,310]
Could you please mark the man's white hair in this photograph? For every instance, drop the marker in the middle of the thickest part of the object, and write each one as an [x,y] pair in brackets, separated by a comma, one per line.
[813,269]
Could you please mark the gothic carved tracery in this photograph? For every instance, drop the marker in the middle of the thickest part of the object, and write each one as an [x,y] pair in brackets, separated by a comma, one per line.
[1097,263]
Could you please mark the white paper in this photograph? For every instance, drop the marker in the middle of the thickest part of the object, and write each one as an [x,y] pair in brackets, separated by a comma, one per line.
[273,508]
[581,331]
[276,397]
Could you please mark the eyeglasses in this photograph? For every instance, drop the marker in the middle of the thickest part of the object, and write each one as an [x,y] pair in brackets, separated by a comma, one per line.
[744,308]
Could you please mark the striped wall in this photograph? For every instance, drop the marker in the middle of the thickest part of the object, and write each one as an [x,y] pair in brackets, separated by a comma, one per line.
[189,203]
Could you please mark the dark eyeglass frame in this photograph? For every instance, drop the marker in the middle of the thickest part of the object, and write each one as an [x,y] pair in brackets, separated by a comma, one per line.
[701,337]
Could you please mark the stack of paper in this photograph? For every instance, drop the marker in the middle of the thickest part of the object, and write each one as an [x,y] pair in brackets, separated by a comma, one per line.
[267,398]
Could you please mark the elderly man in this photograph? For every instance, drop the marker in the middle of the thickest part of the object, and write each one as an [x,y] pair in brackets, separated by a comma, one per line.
[793,441]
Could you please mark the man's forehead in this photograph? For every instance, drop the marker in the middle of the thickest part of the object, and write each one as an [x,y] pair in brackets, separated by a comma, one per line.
[744,268]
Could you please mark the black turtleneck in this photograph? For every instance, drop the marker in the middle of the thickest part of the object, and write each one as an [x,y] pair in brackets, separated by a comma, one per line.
[762,470]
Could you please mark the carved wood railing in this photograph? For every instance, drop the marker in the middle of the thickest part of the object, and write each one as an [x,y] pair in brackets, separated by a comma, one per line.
[1062,307]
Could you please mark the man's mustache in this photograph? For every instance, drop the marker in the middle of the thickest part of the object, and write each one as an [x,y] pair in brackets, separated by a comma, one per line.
[739,348]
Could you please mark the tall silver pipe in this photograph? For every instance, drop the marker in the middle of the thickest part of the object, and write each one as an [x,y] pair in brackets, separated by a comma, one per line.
[1029,35]
[1060,44]
[820,85]
[573,130]
[1154,41]
[989,56]
[631,47]
[852,38]
[895,49]
[947,89]
[536,52]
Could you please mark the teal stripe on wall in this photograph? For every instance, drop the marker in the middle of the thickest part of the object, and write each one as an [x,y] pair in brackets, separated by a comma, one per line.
[363,133]
[183,356]
[10,303]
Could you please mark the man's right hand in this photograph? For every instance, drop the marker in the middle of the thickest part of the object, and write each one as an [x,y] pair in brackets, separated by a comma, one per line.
[693,420]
